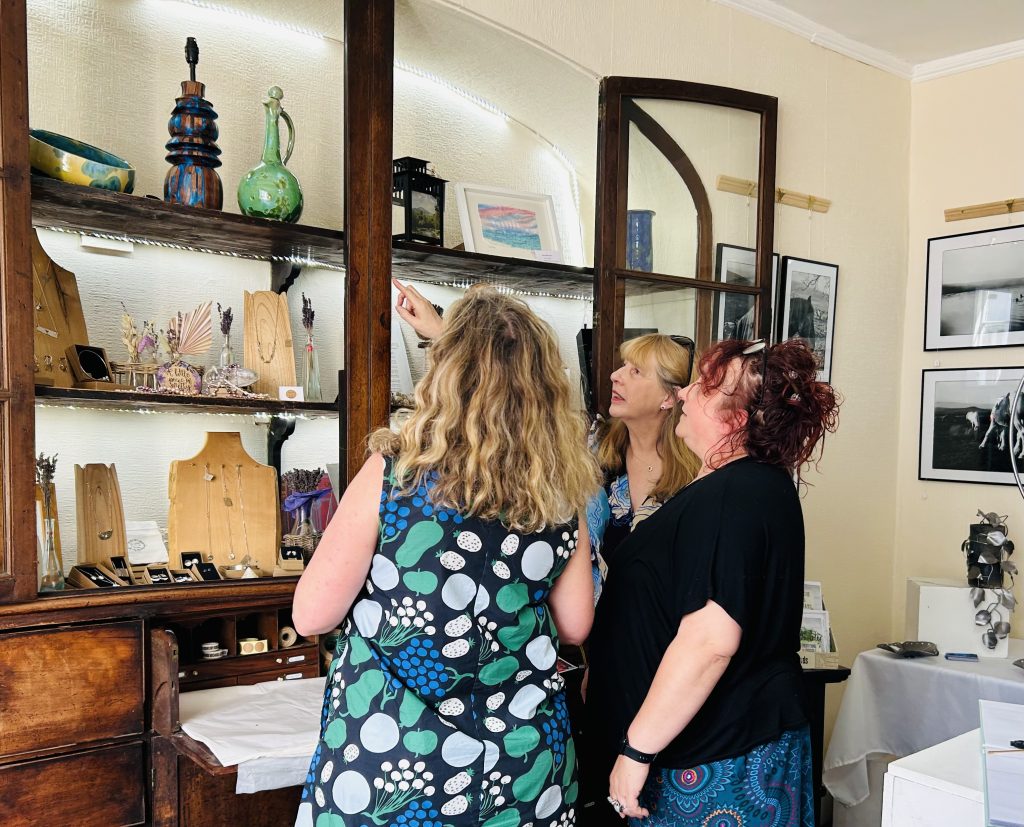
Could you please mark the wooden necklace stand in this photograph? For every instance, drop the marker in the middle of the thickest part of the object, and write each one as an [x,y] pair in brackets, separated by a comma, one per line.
[224,504]
[100,514]
[59,321]
[268,341]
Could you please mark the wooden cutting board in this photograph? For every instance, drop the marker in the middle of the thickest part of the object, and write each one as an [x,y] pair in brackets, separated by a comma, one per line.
[224,504]
[100,513]
[59,320]
[267,341]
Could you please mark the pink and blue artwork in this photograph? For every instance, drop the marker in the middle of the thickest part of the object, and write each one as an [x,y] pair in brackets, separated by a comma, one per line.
[510,226]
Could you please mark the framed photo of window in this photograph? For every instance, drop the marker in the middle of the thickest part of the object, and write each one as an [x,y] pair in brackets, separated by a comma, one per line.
[807,307]
[965,425]
[974,295]
[734,312]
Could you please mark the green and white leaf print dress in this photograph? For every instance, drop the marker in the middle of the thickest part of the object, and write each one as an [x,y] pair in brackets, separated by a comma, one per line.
[443,706]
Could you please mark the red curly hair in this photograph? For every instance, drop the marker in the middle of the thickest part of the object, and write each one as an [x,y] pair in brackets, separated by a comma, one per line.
[788,413]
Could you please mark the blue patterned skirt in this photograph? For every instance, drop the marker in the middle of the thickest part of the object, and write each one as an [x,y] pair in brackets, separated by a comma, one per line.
[770,786]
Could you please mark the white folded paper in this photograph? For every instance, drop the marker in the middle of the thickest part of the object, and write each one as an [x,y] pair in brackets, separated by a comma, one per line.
[145,544]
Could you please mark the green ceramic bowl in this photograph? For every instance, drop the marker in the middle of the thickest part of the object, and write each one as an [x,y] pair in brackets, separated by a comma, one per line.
[66,159]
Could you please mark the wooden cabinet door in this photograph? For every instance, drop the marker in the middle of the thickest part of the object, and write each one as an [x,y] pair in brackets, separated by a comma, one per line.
[70,686]
[17,417]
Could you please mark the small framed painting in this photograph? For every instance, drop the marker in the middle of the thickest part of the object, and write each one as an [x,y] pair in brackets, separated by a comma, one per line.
[966,433]
[975,290]
[807,307]
[734,312]
[503,222]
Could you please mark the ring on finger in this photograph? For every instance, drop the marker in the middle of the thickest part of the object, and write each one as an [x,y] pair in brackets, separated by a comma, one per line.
[615,805]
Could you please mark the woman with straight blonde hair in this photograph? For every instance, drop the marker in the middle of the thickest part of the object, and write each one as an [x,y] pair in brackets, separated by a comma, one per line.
[643,463]
[458,563]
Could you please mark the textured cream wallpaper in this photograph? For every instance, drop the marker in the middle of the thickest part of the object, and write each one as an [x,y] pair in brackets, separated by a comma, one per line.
[965,149]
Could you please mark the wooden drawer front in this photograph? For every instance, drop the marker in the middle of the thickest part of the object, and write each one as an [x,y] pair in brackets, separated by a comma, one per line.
[100,788]
[296,658]
[70,685]
[278,675]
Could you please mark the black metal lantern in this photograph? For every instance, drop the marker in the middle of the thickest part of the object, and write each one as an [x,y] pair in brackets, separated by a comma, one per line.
[421,197]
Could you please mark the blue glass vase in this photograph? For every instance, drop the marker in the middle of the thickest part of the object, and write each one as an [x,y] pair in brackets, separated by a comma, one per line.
[639,244]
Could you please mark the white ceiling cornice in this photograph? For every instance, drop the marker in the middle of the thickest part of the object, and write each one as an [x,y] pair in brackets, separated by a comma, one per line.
[830,39]
[968,60]
[821,35]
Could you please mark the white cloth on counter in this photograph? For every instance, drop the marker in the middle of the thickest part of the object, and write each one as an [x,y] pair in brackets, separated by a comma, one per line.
[901,706]
[276,719]
[261,774]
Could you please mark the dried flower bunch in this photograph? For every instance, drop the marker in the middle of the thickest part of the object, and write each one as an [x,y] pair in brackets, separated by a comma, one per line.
[302,480]
[307,314]
[46,469]
[225,320]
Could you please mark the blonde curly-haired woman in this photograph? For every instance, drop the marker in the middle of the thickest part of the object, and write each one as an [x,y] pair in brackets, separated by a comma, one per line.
[458,561]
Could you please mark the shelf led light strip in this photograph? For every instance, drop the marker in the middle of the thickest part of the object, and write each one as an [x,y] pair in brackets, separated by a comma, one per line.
[42,403]
[305,261]
[254,18]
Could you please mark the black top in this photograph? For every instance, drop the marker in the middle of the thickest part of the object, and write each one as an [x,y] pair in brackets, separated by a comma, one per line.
[736,537]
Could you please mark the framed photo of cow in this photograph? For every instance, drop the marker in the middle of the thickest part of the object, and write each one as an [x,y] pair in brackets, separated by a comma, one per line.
[734,312]
[807,307]
[975,290]
[965,425]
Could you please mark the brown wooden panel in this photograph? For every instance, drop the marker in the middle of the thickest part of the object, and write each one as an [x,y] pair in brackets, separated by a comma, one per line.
[17,418]
[99,788]
[101,667]
[206,800]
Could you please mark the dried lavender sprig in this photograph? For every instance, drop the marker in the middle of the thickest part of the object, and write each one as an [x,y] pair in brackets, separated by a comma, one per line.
[46,468]
[307,314]
[225,320]
[302,480]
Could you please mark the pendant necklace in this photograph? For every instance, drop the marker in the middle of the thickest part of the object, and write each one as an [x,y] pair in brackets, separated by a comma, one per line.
[105,535]
[209,520]
[241,513]
[228,503]
[259,344]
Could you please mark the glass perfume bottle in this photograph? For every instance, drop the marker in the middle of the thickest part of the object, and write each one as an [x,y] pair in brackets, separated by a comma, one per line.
[51,575]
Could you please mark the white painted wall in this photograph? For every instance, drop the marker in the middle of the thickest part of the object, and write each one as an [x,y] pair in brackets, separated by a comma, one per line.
[964,150]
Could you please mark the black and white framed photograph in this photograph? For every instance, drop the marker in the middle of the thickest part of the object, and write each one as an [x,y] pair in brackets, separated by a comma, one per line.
[965,425]
[734,312]
[975,290]
[807,307]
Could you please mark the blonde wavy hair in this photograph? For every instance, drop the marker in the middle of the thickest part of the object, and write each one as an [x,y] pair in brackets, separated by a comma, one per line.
[494,419]
[671,364]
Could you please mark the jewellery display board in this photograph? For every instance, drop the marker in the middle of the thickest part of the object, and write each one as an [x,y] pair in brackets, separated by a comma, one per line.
[268,341]
[225,505]
[59,321]
[101,531]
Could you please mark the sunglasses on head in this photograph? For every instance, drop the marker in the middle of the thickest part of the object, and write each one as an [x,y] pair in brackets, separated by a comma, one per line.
[687,344]
[759,346]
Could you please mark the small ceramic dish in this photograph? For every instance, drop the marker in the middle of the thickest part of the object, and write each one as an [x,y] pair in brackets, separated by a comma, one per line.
[75,162]
[238,572]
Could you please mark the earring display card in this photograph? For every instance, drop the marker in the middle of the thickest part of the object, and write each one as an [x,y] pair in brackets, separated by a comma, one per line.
[158,575]
[208,571]
[119,565]
[94,577]
[182,576]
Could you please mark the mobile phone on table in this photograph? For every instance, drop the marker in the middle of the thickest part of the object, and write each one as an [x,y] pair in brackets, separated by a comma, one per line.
[967,656]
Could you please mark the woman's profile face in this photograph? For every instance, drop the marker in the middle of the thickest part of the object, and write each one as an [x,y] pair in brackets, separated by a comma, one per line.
[637,393]
[704,419]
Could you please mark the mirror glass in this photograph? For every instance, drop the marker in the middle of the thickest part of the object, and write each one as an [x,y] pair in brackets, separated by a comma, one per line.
[680,153]
[511,126]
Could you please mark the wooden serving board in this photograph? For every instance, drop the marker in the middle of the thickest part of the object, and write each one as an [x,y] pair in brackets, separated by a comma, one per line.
[58,318]
[98,497]
[236,511]
[267,342]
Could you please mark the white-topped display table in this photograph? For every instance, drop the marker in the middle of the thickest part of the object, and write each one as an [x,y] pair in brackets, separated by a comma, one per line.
[896,707]
[937,787]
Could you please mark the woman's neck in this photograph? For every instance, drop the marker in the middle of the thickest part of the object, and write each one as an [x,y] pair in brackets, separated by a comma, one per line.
[720,462]
[643,437]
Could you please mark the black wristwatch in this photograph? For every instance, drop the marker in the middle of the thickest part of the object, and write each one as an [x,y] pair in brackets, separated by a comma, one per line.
[635,754]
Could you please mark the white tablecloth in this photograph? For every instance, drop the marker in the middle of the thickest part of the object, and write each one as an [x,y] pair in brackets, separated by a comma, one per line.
[893,706]
[269,730]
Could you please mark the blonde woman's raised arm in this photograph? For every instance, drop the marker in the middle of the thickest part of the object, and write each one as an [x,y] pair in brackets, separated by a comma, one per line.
[339,567]
[572,598]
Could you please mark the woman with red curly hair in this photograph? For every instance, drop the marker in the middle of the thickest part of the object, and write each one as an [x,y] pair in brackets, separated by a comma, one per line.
[694,651]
